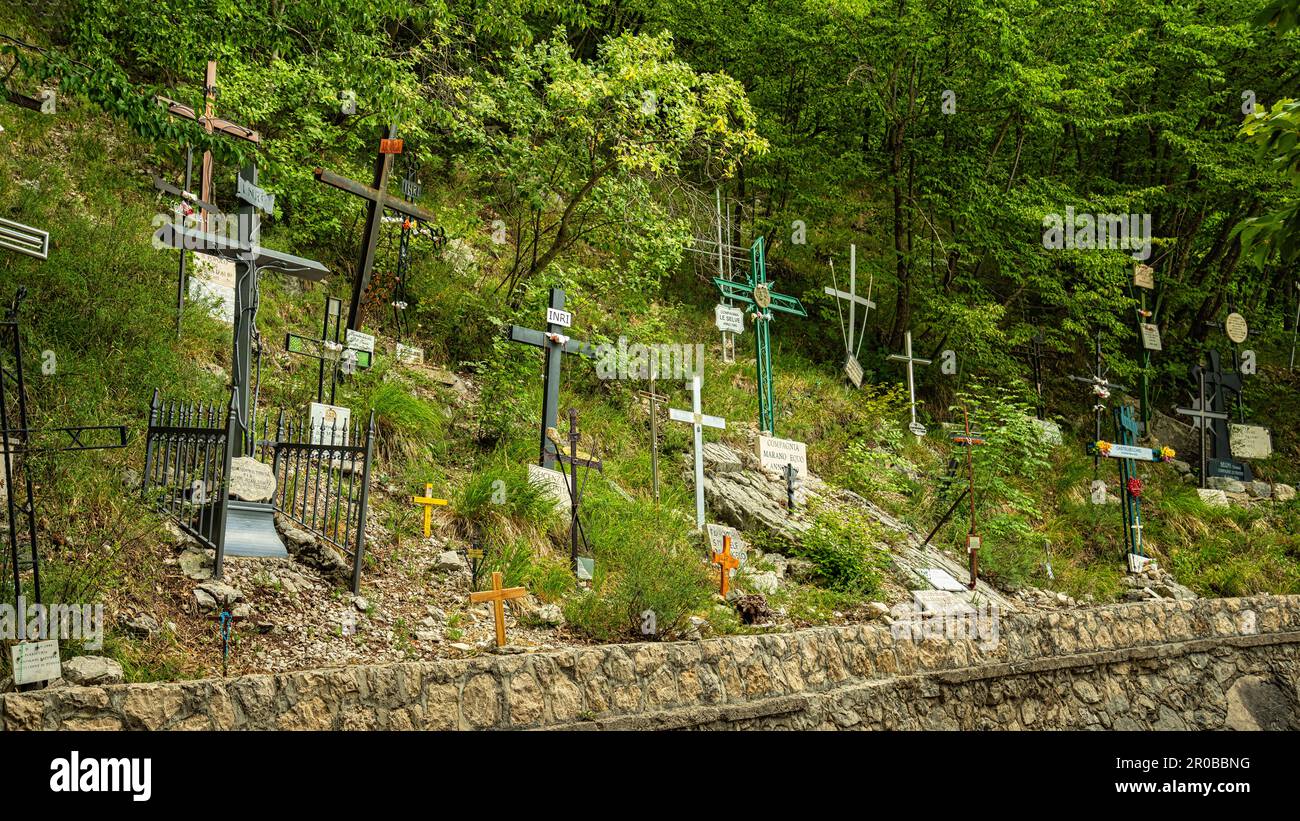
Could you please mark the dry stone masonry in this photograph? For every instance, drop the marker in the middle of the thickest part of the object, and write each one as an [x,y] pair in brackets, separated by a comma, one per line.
[1204,664]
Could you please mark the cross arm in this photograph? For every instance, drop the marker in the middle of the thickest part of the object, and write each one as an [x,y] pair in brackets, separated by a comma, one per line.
[84,437]
[738,291]
[23,100]
[366,192]
[788,305]
[264,258]
[219,125]
[167,188]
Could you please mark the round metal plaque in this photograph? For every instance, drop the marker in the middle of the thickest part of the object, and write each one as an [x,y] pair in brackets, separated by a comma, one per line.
[1235,327]
[917,428]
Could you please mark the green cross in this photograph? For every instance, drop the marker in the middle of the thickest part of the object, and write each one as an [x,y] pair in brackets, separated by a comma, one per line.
[760,301]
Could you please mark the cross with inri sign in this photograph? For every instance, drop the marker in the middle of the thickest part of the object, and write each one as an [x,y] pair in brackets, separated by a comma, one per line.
[760,301]
[697,418]
[852,369]
[916,427]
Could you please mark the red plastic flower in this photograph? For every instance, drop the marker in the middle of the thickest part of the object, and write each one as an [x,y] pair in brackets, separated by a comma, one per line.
[1135,487]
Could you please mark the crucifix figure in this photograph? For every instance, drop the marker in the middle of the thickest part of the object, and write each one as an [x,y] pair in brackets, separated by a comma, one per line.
[18,439]
[916,427]
[1128,455]
[727,563]
[378,199]
[212,125]
[329,348]
[699,420]
[250,258]
[970,439]
[852,368]
[654,399]
[574,459]
[498,596]
[1101,387]
[555,343]
[1201,416]
[760,301]
[428,502]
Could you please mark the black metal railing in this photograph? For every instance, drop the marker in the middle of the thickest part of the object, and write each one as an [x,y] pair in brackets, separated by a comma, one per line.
[187,467]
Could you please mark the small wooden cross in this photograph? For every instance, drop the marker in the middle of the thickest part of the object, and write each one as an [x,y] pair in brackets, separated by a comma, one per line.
[428,501]
[498,596]
[727,561]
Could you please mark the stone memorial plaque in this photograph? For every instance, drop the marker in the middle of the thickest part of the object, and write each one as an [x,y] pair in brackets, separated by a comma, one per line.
[916,428]
[410,355]
[35,661]
[358,341]
[323,418]
[1151,336]
[729,319]
[1250,441]
[1229,469]
[941,579]
[1098,493]
[774,454]
[586,568]
[739,548]
[1235,327]
[941,603]
[213,279]
[552,485]
[853,370]
[1144,276]
[1137,564]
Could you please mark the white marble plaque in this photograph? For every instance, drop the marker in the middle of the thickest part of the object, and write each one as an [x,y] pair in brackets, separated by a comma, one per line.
[552,484]
[358,341]
[35,661]
[1250,441]
[941,579]
[729,319]
[774,454]
[329,424]
[1151,336]
[739,548]
[409,355]
[213,279]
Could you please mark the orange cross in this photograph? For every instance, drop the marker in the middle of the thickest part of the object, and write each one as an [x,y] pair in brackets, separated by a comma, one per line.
[498,597]
[727,561]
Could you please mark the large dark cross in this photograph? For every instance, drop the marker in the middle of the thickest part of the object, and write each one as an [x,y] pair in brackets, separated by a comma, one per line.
[1201,416]
[250,259]
[17,439]
[212,124]
[378,199]
[329,349]
[1222,327]
[555,343]
[1223,381]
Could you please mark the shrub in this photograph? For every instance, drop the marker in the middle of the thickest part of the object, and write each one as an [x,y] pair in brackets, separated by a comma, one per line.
[844,550]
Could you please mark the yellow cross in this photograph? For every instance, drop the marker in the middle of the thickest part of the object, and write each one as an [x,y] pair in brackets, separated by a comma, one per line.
[498,597]
[428,501]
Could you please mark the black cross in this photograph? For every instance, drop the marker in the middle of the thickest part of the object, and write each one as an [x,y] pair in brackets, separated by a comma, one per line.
[378,199]
[1223,381]
[1236,359]
[328,348]
[574,460]
[791,474]
[1202,415]
[555,344]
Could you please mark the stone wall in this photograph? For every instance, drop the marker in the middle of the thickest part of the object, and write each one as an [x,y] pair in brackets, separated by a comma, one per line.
[1225,663]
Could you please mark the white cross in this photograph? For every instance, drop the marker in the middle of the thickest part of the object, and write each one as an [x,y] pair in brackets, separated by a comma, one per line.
[697,418]
[851,296]
[911,380]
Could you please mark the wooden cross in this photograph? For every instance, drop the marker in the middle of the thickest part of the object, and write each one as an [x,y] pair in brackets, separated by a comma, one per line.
[699,420]
[378,199]
[727,562]
[211,124]
[916,427]
[654,399]
[555,344]
[1201,416]
[760,301]
[970,439]
[428,502]
[498,597]
[328,348]
[851,367]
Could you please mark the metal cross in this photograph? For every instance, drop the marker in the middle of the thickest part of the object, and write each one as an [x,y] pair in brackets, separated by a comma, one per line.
[329,348]
[378,199]
[555,344]
[970,439]
[916,427]
[24,239]
[574,459]
[696,417]
[851,365]
[760,301]
[1201,415]
[1223,381]
[1101,386]
[189,202]
[791,474]
[654,399]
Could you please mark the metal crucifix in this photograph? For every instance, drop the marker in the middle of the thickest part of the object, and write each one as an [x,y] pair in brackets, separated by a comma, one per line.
[1126,452]
[852,368]
[378,199]
[696,417]
[329,348]
[915,427]
[574,459]
[970,438]
[555,344]
[1201,416]
[654,399]
[760,301]
[1101,386]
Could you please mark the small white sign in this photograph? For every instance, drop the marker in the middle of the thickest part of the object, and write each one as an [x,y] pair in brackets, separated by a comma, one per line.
[1098,495]
[358,341]
[729,319]
[774,454]
[941,579]
[552,485]
[35,661]
[554,316]
[1137,564]
[409,355]
[213,279]
[1250,441]
[853,370]
[1151,336]
[329,424]
[1236,328]
[1131,452]
[916,428]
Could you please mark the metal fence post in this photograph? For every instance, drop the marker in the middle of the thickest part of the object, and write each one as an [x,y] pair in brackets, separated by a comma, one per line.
[365,501]
[154,405]
[223,487]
